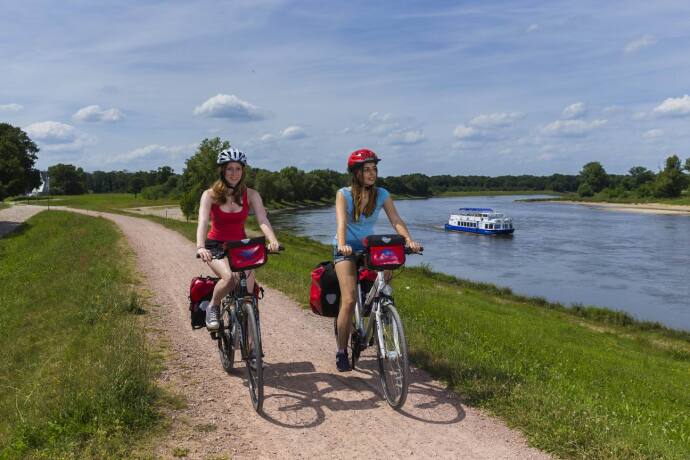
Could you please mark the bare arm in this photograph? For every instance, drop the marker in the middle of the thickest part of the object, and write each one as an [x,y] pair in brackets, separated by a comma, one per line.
[398,224]
[341,224]
[202,226]
[257,205]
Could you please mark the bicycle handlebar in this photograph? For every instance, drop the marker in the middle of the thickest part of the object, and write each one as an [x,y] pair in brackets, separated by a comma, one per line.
[280,248]
[363,252]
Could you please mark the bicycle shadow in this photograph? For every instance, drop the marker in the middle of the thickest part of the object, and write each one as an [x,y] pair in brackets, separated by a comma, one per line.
[297,396]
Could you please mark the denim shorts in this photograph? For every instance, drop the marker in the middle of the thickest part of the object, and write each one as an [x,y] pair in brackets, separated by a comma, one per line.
[216,248]
[339,257]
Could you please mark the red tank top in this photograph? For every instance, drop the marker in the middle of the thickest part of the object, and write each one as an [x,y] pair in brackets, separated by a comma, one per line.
[228,226]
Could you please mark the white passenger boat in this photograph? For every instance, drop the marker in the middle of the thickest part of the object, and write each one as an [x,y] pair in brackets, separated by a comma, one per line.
[480,220]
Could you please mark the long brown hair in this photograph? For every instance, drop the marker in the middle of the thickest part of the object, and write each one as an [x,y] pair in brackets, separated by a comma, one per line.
[220,187]
[357,187]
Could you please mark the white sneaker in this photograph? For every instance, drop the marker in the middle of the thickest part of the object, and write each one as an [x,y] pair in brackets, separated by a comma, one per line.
[212,313]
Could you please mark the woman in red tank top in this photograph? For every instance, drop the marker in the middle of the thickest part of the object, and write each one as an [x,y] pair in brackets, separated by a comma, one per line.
[227,204]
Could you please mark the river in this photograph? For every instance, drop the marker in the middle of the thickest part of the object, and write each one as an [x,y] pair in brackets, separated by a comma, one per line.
[569,253]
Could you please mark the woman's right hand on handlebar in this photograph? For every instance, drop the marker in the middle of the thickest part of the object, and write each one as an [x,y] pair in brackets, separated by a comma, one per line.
[345,249]
[204,254]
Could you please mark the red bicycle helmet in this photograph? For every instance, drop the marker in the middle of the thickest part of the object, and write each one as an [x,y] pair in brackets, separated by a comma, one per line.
[359,157]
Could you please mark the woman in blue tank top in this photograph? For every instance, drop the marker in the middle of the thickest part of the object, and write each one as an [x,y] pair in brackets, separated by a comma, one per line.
[357,207]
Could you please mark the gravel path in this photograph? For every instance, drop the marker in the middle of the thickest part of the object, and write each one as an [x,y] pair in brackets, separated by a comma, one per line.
[12,217]
[310,410]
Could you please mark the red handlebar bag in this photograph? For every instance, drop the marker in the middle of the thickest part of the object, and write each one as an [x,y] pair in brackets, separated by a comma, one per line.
[384,252]
[247,254]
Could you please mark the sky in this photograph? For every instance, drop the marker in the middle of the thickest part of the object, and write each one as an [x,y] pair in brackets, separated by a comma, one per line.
[461,88]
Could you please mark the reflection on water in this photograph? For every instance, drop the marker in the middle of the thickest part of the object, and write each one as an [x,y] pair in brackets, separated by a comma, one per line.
[639,263]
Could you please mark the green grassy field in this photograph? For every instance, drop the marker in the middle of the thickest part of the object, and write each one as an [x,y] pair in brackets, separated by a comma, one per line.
[581,382]
[4,205]
[100,201]
[76,373]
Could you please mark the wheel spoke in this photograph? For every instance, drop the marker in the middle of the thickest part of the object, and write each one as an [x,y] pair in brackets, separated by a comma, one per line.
[392,356]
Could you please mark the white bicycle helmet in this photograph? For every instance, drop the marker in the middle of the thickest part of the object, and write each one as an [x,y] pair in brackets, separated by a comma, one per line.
[226,156]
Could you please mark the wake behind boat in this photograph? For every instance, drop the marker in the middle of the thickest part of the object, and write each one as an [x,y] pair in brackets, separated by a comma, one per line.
[480,220]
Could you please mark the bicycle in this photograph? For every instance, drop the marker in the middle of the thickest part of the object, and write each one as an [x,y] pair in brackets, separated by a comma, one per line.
[240,326]
[376,319]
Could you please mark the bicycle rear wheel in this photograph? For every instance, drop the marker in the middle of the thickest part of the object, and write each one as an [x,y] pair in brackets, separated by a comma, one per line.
[226,350]
[253,357]
[391,349]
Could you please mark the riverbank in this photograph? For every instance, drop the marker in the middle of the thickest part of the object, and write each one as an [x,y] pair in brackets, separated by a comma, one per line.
[579,381]
[649,208]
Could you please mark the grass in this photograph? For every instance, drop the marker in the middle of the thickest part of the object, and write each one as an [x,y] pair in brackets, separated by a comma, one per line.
[76,373]
[100,201]
[4,205]
[580,382]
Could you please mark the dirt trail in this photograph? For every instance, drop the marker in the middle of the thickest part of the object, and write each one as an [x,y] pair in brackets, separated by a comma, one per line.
[310,410]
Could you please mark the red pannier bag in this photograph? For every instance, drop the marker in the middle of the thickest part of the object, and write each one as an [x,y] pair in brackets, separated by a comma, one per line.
[384,252]
[247,254]
[324,296]
[200,294]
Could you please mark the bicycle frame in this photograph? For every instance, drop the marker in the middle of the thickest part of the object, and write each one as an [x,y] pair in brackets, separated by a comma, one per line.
[366,328]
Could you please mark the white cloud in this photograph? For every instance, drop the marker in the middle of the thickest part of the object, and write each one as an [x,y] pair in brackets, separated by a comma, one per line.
[11,107]
[653,134]
[678,107]
[293,132]
[382,124]
[495,120]
[54,136]
[52,132]
[154,151]
[639,43]
[406,137]
[267,138]
[572,128]
[229,106]
[576,110]
[466,132]
[94,114]
[532,28]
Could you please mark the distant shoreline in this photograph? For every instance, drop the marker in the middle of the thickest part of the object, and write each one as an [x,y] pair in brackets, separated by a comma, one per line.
[643,208]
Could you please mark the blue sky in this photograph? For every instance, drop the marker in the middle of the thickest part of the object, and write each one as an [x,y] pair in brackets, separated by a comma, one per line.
[435,87]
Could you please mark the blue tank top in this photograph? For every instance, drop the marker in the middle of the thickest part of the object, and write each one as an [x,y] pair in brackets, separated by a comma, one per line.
[356,231]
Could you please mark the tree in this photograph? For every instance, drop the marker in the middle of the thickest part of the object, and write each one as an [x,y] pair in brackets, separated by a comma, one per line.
[17,158]
[67,179]
[199,173]
[671,181]
[136,183]
[595,176]
[686,166]
[640,175]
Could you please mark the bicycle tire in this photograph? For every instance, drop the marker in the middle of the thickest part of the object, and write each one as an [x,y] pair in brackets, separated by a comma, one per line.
[226,348]
[253,357]
[355,345]
[394,366]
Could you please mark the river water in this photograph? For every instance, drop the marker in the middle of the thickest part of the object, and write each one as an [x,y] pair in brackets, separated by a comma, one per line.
[638,263]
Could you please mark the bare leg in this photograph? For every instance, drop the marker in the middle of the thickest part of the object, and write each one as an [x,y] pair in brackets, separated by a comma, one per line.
[347,279]
[227,281]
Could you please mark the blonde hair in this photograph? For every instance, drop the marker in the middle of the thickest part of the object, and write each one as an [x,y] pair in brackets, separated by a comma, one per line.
[220,189]
[359,208]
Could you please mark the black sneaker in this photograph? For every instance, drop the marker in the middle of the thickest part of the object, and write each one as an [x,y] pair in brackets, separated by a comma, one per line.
[342,362]
[212,313]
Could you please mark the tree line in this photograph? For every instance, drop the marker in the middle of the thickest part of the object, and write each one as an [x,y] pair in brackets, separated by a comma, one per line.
[18,176]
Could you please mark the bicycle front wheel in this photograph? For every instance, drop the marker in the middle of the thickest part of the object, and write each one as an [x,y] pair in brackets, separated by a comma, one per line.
[391,346]
[253,356]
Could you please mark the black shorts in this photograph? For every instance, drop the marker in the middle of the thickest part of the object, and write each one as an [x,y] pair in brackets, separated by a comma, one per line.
[216,248]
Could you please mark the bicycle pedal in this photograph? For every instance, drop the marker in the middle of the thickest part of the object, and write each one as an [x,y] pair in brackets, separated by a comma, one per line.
[214,335]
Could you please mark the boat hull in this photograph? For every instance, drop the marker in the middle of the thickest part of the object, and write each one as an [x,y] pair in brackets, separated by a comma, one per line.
[479,231]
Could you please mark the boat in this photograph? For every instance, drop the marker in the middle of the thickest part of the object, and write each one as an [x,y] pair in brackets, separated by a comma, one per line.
[480,220]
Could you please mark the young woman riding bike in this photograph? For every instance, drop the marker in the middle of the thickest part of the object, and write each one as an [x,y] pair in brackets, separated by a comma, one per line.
[357,207]
[227,204]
